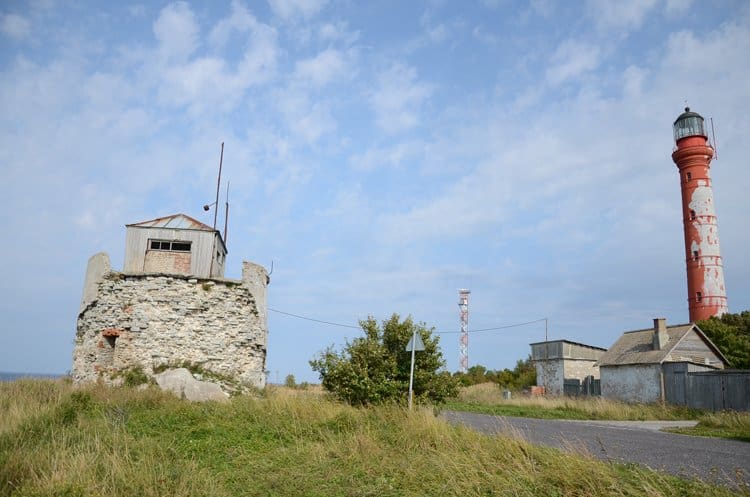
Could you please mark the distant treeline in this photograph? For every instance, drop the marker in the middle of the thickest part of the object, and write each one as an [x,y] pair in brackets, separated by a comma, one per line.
[518,378]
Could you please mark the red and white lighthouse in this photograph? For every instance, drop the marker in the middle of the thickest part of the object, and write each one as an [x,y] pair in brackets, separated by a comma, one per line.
[705,274]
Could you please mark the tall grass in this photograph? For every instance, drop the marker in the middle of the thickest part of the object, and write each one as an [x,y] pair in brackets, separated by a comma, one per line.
[59,440]
[488,398]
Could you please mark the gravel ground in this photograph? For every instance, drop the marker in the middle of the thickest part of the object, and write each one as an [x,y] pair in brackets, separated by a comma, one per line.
[716,460]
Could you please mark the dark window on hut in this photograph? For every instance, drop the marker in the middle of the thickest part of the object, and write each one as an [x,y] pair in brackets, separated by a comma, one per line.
[170,246]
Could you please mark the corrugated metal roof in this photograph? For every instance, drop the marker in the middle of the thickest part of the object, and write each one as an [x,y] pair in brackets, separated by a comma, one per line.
[179,221]
[636,347]
[570,342]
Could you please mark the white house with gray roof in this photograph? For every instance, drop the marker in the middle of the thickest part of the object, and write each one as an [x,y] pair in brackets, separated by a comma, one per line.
[633,369]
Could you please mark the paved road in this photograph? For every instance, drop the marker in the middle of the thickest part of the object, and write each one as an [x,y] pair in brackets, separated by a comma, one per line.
[711,459]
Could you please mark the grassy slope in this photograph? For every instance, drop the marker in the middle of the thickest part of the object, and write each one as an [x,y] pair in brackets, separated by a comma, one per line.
[55,440]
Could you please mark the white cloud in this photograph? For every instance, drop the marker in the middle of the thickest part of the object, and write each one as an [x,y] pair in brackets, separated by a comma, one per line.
[338,31]
[399,97]
[677,7]
[544,8]
[177,31]
[617,14]
[481,34]
[438,33]
[320,70]
[633,78]
[240,20]
[206,84]
[288,9]
[378,157]
[15,26]
[307,120]
[572,59]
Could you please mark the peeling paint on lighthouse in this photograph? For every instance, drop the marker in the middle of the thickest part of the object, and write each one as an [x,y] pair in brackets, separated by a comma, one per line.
[705,272]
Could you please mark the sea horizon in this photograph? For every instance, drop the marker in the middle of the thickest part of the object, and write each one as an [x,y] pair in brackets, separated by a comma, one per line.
[8,376]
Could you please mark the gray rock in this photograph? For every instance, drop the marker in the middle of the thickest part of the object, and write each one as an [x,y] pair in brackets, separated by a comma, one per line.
[181,382]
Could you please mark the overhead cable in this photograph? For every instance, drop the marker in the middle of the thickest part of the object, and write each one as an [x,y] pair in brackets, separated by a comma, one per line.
[482,330]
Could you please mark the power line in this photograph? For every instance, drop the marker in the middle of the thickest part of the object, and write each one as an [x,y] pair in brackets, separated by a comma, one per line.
[483,330]
[314,320]
[516,325]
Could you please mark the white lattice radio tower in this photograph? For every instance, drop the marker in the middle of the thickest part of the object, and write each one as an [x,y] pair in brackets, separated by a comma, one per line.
[463,307]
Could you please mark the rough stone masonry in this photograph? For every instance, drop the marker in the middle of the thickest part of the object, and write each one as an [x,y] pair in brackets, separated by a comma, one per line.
[154,321]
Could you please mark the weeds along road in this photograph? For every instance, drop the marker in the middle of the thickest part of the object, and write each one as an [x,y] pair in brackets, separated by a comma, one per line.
[716,460]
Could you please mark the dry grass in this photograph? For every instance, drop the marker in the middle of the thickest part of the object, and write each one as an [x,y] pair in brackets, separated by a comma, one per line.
[122,442]
[487,397]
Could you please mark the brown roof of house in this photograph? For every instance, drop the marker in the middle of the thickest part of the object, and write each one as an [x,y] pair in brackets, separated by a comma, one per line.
[179,221]
[636,347]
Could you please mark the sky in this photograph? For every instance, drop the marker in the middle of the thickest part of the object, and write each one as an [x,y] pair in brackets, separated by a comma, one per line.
[380,155]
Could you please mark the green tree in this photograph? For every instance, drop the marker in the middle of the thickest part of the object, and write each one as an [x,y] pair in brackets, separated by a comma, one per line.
[290,381]
[375,368]
[731,334]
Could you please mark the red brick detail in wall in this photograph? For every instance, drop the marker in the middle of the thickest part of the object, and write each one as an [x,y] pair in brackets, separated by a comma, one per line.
[112,332]
[159,261]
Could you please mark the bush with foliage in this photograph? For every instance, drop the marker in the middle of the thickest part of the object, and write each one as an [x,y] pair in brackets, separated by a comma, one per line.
[518,378]
[731,334]
[375,368]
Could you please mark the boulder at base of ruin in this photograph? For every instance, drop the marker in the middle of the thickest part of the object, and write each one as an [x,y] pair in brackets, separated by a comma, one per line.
[182,383]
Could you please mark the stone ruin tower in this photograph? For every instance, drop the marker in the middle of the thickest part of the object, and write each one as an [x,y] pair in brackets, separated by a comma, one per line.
[171,306]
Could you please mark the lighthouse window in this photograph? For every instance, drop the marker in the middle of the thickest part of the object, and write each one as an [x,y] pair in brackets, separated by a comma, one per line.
[695,255]
[689,176]
[698,296]
[692,214]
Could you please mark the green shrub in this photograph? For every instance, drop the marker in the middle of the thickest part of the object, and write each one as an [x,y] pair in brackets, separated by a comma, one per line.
[375,369]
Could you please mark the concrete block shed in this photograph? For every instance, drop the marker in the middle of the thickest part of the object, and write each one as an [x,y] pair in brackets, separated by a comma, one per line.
[561,361]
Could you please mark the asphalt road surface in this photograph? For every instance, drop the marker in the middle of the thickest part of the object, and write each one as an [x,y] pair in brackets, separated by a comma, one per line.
[716,460]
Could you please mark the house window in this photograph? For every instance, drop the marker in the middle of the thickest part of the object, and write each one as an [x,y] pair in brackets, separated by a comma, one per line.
[171,246]
[698,296]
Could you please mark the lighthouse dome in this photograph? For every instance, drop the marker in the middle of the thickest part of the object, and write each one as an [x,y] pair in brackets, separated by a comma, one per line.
[689,124]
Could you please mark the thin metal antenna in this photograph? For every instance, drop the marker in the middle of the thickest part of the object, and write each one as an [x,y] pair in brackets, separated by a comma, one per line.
[713,135]
[226,215]
[218,185]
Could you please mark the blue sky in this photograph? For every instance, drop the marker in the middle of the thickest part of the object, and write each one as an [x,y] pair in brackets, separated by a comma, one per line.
[382,155]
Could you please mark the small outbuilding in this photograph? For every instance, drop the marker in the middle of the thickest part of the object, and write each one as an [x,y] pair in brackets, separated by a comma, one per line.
[565,367]
[638,367]
[176,244]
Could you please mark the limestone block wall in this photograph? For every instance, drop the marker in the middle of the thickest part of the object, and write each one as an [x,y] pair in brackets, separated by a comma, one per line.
[150,319]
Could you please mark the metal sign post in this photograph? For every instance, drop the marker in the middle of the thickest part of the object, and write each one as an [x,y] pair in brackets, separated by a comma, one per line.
[414,344]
